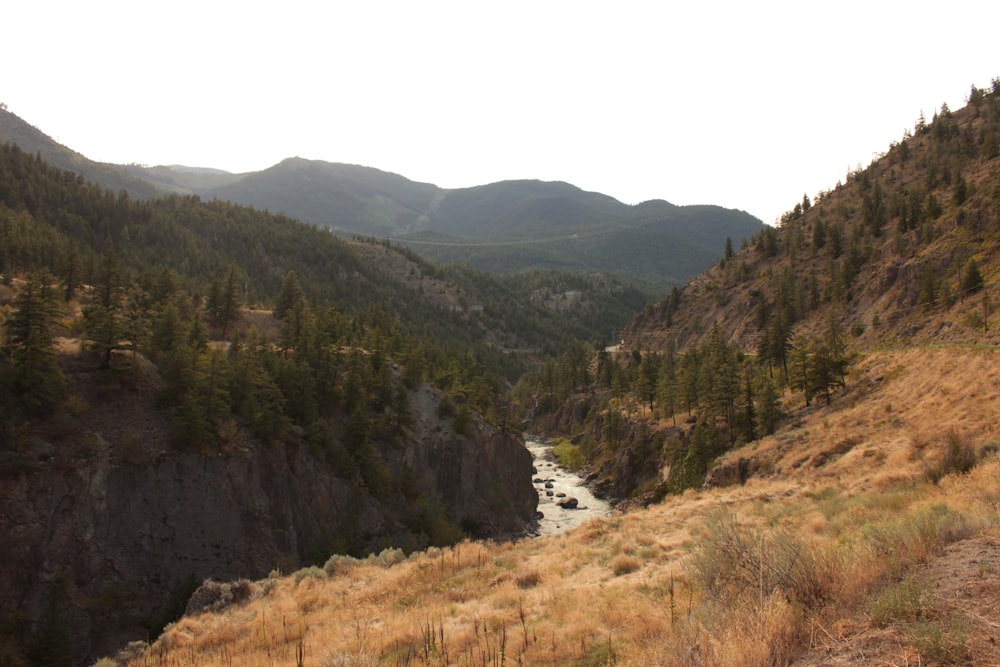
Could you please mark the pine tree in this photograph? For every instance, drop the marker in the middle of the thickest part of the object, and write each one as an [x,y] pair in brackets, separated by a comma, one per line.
[224,300]
[103,314]
[748,415]
[291,293]
[666,385]
[768,409]
[35,378]
[800,373]
[972,279]
[646,378]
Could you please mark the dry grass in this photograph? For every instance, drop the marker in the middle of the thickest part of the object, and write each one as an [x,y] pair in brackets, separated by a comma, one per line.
[747,575]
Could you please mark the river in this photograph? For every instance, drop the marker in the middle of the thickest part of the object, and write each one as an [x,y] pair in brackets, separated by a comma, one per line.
[551,478]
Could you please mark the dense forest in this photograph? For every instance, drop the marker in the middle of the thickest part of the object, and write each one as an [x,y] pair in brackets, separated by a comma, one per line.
[162,278]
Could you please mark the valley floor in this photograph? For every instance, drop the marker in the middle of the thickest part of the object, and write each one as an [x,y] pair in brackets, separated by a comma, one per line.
[854,543]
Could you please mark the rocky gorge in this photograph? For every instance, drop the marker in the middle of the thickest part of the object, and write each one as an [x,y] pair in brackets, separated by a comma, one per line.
[108,529]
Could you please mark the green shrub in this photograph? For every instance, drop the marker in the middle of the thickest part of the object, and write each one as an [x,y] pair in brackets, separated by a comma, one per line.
[958,455]
[388,557]
[941,642]
[311,572]
[569,455]
[732,561]
[906,601]
[340,564]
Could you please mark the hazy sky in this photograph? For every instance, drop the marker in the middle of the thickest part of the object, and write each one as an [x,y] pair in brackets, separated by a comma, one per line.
[743,104]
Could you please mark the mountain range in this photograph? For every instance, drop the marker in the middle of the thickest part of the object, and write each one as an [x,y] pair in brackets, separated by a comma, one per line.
[810,424]
[499,227]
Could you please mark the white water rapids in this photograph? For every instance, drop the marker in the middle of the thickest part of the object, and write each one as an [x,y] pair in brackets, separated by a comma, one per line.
[556,519]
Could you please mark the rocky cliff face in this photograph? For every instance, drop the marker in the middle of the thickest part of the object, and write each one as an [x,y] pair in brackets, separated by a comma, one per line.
[101,534]
[619,468]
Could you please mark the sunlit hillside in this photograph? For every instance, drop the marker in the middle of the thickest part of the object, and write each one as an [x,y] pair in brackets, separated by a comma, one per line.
[903,250]
[836,552]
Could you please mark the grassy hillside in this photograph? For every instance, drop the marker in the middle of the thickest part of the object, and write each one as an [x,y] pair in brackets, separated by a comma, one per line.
[906,252]
[844,547]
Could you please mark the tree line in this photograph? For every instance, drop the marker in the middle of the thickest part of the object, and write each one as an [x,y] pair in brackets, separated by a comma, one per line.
[722,396]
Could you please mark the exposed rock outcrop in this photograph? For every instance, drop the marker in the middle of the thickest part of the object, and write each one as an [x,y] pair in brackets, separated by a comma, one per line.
[102,538]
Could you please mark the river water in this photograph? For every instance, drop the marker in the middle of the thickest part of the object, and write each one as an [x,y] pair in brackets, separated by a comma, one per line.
[555,519]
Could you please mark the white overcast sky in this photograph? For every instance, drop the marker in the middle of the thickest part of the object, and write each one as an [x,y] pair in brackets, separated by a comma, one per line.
[747,105]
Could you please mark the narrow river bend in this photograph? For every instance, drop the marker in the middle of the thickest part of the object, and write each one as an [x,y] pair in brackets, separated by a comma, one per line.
[553,479]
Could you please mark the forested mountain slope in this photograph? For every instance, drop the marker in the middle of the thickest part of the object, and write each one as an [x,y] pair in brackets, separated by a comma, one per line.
[32,140]
[500,227]
[904,251]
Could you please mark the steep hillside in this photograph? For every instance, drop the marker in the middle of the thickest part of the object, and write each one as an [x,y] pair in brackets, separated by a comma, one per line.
[905,253]
[148,403]
[906,250]
[109,522]
[32,140]
[832,554]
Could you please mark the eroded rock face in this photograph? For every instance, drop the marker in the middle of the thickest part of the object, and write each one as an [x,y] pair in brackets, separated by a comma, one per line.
[105,544]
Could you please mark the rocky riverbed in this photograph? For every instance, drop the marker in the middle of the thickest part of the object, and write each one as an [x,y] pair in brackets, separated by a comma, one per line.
[557,489]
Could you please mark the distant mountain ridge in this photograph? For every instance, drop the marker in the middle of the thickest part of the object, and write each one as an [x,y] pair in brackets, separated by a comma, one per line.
[499,227]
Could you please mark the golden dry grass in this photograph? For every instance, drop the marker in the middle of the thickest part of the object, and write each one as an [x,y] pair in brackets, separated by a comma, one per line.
[635,589]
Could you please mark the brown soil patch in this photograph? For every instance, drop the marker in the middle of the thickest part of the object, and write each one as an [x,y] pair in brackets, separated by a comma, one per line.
[965,584]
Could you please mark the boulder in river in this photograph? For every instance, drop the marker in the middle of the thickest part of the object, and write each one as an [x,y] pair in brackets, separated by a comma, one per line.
[568,503]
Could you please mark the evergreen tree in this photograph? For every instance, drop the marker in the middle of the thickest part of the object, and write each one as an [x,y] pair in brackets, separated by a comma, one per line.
[291,294]
[800,377]
[972,279]
[747,418]
[224,300]
[666,385]
[35,378]
[103,315]
[835,352]
[928,288]
[768,409]
[819,234]
[613,428]
[72,271]
[646,378]
[721,381]
[136,322]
